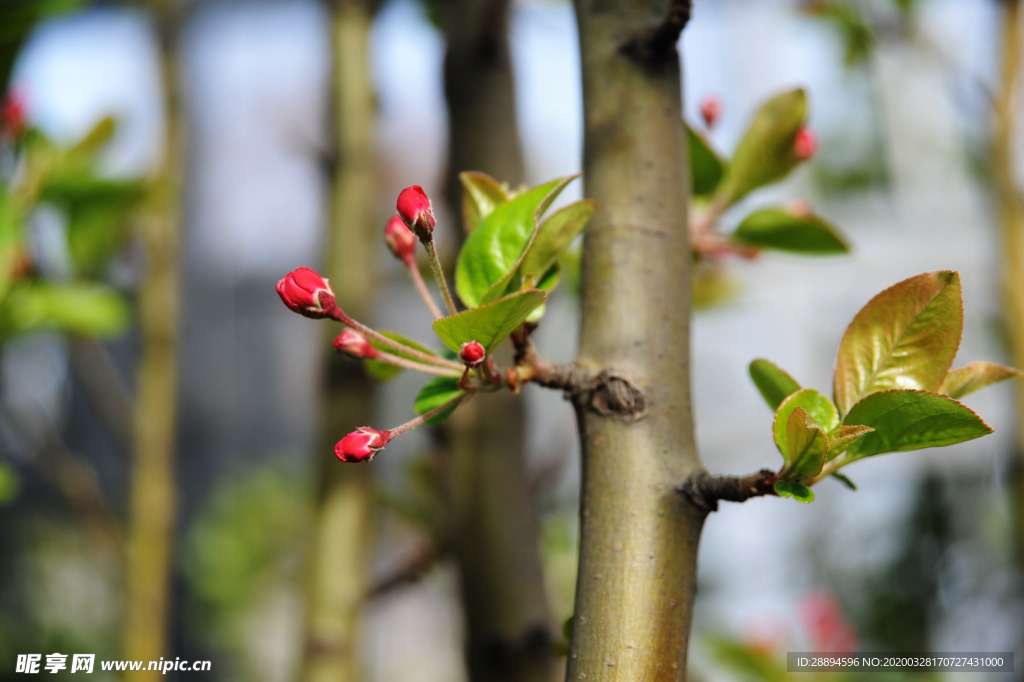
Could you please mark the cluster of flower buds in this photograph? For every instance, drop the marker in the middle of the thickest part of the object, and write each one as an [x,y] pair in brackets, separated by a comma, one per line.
[711,110]
[362,445]
[308,293]
[12,116]
[305,292]
[416,211]
[805,144]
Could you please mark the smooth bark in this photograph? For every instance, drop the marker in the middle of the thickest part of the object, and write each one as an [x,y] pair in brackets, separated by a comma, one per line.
[639,536]
[152,496]
[339,556]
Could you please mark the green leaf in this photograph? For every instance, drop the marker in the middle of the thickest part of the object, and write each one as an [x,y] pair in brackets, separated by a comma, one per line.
[974,377]
[547,282]
[385,371]
[765,152]
[481,195]
[491,323]
[817,406]
[95,233]
[493,249]
[713,285]
[9,484]
[845,480]
[911,420]
[798,491]
[706,166]
[776,228]
[905,338]
[554,236]
[807,447]
[772,381]
[86,309]
[435,394]
[95,140]
[843,436]
[747,662]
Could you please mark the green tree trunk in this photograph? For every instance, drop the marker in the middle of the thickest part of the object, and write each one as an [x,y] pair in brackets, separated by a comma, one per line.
[152,496]
[1010,207]
[638,554]
[340,553]
[508,619]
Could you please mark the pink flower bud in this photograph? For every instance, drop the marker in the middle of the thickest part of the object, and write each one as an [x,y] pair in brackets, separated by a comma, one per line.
[305,292]
[361,445]
[472,353]
[801,208]
[805,144]
[711,109]
[400,240]
[352,343]
[414,208]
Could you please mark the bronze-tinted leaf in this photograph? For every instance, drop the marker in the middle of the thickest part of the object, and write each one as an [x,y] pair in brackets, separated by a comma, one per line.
[976,376]
[905,338]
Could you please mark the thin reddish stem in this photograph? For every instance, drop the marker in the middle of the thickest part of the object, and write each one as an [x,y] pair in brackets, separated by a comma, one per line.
[435,264]
[413,423]
[339,315]
[417,279]
[415,366]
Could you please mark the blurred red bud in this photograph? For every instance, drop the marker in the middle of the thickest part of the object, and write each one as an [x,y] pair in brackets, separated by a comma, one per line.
[805,144]
[414,208]
[400,240]
[801,208]
[472,353]
[361,445]
[352,343]
[12,116]
[711,109]
[822,617]
[305,292]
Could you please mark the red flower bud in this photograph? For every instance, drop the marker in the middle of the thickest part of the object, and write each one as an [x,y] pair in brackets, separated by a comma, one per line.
[305,292]
[805,144]
[361,445]
[400,240]
[472,353]
[12,116]
[414,208]
[352,343]
[711,109]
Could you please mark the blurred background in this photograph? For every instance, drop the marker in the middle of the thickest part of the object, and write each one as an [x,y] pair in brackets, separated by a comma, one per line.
[193,431]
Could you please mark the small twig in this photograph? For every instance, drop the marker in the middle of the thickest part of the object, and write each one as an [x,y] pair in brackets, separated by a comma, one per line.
[339,315]
[704,490]
[413,423]
[416,366]
[435,264]
[417,279]
[411,570]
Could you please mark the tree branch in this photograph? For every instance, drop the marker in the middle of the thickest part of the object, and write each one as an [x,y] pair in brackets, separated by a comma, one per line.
[705,490]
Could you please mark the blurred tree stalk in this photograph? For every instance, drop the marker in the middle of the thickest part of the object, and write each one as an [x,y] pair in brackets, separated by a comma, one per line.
[1010,205]
[508,619]
[339,559]
[152,496]
[638,543]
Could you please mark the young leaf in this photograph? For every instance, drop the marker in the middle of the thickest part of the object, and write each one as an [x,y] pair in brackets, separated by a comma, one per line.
[776,228]
[435,394]
[554,236]
[845,480]
[905,338]
[817,406]
[772,381]
[765,152]
[706,167]
[548,281]
[86,309]
[491,323]
[481,196]
[974,377]
[9,484]
[493,249]
[842,437]
[807,446]
[911,420]
[385,371]
[798,491]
